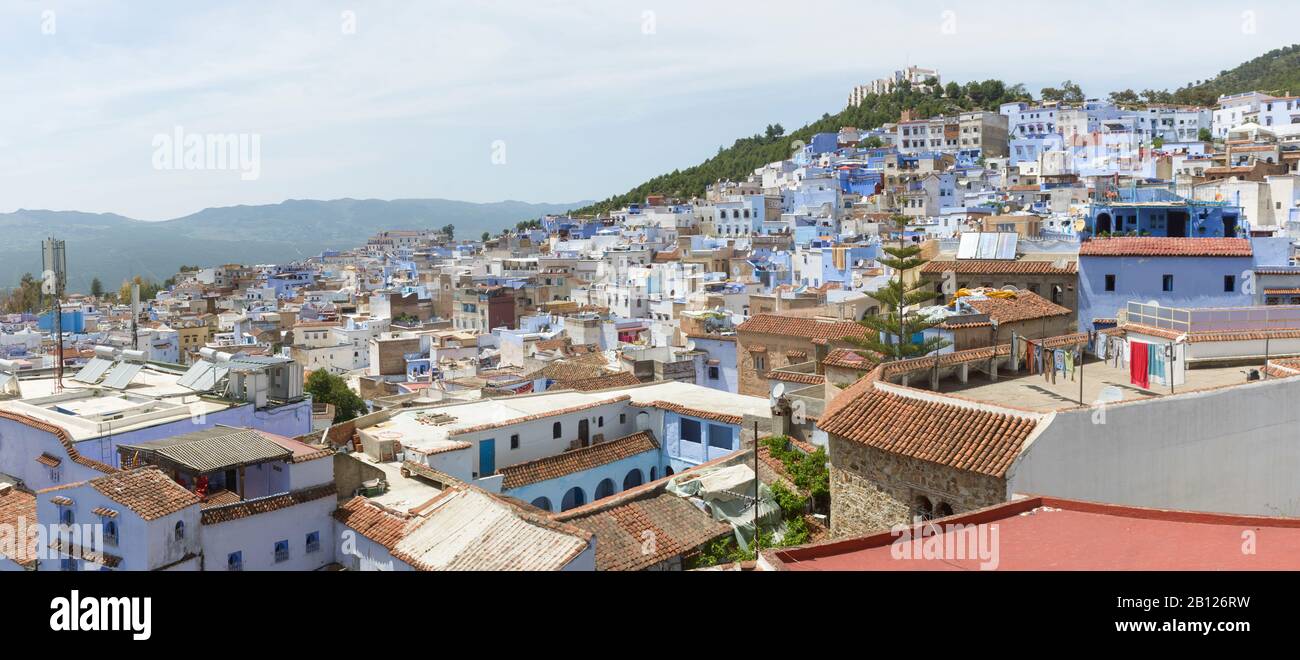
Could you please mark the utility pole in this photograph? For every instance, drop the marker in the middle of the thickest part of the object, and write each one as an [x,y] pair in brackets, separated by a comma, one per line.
[54,277]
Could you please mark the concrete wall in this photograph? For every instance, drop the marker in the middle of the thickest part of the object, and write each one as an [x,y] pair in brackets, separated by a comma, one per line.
[255,536]
[1231,450]
[1198,282]
[588,480]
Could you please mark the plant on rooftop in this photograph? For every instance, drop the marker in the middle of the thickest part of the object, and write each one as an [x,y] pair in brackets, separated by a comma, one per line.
[326,387]
[895,328]
[807,471]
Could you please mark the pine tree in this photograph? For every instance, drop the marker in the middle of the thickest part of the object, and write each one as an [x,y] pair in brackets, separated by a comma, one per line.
[893,329]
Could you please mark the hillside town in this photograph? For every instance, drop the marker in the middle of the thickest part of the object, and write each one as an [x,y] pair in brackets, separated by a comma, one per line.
[1080,318]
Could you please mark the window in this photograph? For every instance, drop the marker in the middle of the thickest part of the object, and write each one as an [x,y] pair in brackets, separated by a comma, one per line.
[713,373]
[1167,283]
[760,363]
[235,561]
[514,441]
[1229,283]
[1110,282]
[720,436]
[180,530]
[600,421]
[555,430]
[622,418]
[313,542]
[110,531]
[690,430]
[281,551]
[66,516]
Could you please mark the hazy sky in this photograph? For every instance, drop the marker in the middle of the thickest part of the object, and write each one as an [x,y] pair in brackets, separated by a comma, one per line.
[579,99]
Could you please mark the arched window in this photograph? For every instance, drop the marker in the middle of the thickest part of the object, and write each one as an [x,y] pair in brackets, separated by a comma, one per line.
[543,503]
[653,473]
[922,508]
[180,530]
[574,498]
[605,488]
[633,479]
[555,430]
[67,517]
[668,471]
[943,510]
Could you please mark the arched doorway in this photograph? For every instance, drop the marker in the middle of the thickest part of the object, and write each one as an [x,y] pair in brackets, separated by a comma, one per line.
[1102,225]
[642,421]
[653,473]
[668,471]
[543,503]
[574,498]
[943,510]
[582,432]
[605,488]
[633,479]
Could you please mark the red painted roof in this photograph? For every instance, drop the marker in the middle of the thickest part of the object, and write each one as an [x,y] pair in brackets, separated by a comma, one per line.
[1046,533]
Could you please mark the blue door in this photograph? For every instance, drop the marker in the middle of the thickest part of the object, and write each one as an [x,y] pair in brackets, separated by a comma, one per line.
[487,457]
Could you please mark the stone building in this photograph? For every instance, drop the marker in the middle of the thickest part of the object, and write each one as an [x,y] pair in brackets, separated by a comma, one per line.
[898,453]
[1055,281]
[769,342]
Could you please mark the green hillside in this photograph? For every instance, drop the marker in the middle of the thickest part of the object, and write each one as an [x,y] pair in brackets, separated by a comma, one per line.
[747,154]
[1276,72]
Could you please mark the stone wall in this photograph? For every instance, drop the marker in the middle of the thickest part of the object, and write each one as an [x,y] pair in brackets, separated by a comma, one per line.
[873,490]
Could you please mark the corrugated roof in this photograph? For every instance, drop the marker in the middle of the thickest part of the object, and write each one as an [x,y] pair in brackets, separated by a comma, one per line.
[468,529]
[210,450]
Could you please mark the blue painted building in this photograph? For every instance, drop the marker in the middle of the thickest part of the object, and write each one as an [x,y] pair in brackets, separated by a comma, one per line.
[71,321]
[1173,272]
[1159,212]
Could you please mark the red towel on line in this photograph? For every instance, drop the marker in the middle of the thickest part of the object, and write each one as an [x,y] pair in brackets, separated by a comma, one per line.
[1137,364]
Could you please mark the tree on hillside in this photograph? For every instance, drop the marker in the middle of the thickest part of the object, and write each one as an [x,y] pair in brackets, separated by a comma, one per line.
[895,330]
[148,289]
[1069,92]
[325,387]
[450,231]
[1124,97]
[486,235]
[96,288]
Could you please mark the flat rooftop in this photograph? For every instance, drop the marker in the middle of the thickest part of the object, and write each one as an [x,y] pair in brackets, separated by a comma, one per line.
[1101,382]
[91,411]
[425,430]
[1045,533]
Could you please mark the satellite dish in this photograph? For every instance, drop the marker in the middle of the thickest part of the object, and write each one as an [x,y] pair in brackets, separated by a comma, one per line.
[778,391]
[690,345]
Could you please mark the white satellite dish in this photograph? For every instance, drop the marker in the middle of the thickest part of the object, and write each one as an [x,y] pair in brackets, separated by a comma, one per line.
[690,345]
[778,391]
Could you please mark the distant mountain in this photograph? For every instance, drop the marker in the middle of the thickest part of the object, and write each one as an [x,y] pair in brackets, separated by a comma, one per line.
[115,248]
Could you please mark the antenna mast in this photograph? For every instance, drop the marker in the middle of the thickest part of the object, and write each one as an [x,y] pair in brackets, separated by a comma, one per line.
[54,278]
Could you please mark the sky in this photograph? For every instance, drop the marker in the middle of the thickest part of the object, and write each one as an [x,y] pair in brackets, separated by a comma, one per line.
[122,106]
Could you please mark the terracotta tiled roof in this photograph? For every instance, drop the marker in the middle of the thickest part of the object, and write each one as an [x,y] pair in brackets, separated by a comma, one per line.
[1000,267]
[1153,246]
[849,359]
[226,513]
[796,377]
[1195,337]
[620,379]
[578,460]
[14,505]
[146,491]
[675,527]
[928,427]
[692,412]
[104,511]
[372,521]
[1025,306]
[1281,292]
[48,460]
[797,326]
